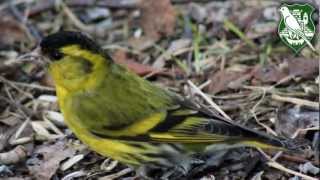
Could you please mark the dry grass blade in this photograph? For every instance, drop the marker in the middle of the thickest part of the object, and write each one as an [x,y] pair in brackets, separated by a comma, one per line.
[282,168]
[72,161]
[297,101]
[208,100]
[116,175]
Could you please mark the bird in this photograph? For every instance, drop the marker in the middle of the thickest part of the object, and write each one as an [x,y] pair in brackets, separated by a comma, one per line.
[120,115]
[293,25]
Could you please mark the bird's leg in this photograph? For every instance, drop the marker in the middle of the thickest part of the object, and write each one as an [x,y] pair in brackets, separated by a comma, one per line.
[182,168]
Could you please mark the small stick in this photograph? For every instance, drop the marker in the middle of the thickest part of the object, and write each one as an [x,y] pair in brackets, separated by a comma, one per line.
[296,101]
[256,118]
[75,20]
[52,126]
[206,98]
[282,168]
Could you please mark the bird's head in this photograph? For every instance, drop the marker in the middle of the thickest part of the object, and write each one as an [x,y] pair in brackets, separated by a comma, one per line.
[284,10]
[73,58]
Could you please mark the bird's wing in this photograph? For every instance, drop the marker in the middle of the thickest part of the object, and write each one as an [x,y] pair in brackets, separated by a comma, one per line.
[195,123]
[183,122]
[292,22]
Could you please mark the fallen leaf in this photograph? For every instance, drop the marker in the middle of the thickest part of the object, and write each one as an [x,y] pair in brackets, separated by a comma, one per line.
[303,67]
[224,79]
[11,31]
[121,57]
[267,73]
[158,18]
[47,158]
[300,67]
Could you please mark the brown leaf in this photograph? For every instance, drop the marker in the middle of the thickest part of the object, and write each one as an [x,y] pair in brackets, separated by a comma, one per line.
[11,31]
[268,73]
[300,67]
[121,57]
[222,80]
[46,160]
[158,18]
[303,67]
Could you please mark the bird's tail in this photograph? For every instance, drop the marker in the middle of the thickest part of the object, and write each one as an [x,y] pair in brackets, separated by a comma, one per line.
[307,41]
[309,44]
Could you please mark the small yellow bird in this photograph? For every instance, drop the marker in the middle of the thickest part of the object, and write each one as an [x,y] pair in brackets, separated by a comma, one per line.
[125,117]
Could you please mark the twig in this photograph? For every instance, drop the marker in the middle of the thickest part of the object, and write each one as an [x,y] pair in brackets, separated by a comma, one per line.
[24,111]
[34,86]
[52,126]
[206,98]
[296,101]
[296,159]
[282,168]
[20,141]
[74,19]
[4,80]
[205,84]
[256,118]
[21,128]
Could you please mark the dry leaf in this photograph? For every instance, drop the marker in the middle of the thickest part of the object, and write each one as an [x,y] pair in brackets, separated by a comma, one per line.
[46,159]
[222,80]
[11,31]
[268,73]
[121,57]
[158,18]
[303,67]
[300,67]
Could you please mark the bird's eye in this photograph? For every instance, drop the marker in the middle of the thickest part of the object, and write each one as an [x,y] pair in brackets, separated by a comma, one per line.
[56,55]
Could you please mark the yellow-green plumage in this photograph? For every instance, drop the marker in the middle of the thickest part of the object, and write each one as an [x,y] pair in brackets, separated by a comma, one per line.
[123,116]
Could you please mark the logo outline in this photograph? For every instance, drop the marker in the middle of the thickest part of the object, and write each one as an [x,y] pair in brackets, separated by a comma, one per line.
[284,32]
